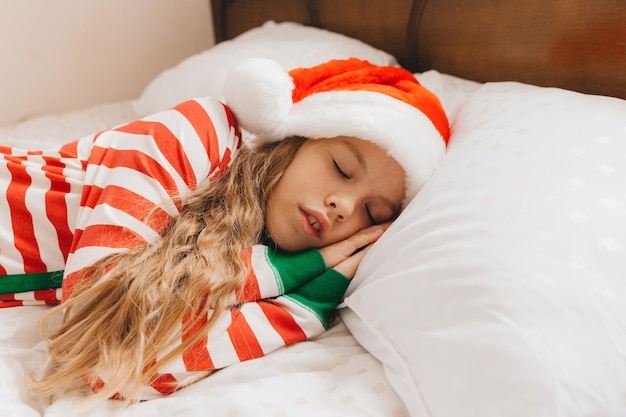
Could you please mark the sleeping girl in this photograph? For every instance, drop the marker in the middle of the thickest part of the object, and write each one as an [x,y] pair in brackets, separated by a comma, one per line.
[173,248]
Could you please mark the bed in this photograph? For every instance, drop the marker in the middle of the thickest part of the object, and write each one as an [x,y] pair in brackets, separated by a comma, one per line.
[500,290]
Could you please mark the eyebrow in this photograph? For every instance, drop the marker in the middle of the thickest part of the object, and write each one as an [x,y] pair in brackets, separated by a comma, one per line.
[359,157]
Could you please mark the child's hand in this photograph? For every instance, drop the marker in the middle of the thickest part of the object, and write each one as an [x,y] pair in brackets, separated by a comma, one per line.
[344,257]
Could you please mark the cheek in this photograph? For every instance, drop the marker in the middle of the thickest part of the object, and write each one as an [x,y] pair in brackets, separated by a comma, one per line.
[275,230]
[273,207]
[277,221]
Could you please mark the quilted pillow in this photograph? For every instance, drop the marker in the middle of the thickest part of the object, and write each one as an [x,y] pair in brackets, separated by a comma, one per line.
[291,44]
[501,289]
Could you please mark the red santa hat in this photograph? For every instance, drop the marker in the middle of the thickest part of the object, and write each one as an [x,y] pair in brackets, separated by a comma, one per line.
[382,104]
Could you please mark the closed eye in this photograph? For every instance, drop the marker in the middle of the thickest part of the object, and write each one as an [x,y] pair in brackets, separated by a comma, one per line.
[340,171]
[369,216]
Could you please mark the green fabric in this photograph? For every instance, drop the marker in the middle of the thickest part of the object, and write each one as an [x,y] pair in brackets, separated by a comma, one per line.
[16,283]
[295,269]
[322,294]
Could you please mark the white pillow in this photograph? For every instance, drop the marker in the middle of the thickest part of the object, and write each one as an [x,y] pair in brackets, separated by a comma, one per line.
[501,290]
[452,91]
[291,44]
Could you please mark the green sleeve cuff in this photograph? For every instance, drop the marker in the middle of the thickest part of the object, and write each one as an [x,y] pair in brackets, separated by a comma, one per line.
[16,283]
[295,269]
[322,294]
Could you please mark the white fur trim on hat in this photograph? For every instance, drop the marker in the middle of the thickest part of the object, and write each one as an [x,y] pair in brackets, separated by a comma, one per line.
[259,91]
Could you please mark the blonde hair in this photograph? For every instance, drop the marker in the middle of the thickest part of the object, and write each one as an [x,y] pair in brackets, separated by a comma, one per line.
[129,306]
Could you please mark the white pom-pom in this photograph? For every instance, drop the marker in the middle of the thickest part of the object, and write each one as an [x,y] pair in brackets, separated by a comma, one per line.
[258,90]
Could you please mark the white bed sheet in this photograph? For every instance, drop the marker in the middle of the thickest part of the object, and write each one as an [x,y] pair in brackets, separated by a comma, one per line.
[48,130]
[329,376]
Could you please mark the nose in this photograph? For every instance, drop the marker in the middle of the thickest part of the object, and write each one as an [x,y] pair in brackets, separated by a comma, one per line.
[341,206]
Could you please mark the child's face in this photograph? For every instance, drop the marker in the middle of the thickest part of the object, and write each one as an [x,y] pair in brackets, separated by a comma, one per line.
[332,189]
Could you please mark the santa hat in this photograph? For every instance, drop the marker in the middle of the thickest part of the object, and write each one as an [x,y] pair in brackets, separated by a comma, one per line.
[385,105]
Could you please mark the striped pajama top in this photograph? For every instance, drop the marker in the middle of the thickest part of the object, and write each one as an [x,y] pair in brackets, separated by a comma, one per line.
[65,208]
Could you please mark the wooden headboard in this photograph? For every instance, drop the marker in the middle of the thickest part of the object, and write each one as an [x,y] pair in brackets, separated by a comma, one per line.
[574,44]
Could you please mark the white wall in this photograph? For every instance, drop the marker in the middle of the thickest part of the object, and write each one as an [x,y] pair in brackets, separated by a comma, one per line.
[63,55]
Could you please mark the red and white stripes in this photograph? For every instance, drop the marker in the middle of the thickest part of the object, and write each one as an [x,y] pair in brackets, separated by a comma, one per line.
[68,207]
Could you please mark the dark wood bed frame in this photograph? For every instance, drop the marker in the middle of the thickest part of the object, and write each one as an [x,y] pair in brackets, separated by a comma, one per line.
[575,44]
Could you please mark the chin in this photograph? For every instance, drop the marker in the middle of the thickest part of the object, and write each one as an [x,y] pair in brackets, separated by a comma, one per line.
[278,243]
[290,246]
[283,240]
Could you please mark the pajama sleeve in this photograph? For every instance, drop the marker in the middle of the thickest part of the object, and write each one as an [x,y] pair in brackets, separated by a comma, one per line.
[287,298]
[273,273]
[139,168]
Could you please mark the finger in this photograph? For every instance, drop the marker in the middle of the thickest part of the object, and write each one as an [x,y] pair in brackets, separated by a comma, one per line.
[363,238]
[349,266]
[360,254]
[337,252]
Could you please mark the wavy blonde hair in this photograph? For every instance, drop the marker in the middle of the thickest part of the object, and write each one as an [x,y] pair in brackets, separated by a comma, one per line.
[122,323]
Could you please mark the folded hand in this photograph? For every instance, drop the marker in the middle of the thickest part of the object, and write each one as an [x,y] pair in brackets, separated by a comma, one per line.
[346,255]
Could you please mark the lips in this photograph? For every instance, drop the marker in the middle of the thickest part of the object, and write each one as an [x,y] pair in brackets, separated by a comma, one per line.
[313,224]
